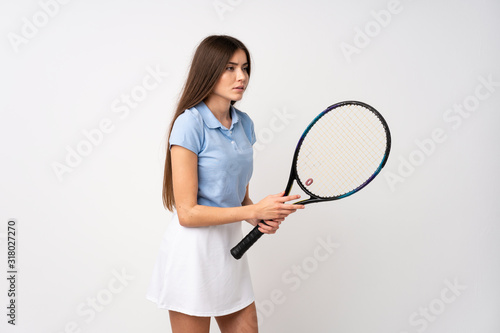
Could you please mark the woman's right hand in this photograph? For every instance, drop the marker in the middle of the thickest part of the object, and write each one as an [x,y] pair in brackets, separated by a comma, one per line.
[274,206]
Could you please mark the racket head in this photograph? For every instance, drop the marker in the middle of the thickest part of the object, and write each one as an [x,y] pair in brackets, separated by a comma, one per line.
[341,151]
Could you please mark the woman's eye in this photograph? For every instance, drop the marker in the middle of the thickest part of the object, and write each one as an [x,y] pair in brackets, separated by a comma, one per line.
[230,68]
[245,69]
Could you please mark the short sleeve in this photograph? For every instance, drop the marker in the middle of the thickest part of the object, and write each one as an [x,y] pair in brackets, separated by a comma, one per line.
[187,132]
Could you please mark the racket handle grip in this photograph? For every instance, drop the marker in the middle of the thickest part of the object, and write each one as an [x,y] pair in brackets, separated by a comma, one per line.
[239,250]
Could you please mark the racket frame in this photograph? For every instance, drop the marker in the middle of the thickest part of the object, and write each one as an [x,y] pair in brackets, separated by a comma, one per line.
[293,172]
[239,250]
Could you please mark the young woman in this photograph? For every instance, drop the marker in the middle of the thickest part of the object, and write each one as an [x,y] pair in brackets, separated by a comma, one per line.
[207,170]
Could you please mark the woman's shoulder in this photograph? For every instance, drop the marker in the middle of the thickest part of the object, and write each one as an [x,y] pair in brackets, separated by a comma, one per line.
[191,114]
[188,131]
[190,118]
[245,118]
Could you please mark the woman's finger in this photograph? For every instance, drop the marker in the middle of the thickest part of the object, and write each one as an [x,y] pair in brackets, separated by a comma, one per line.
[289,197]
[269,226]
[290,208]
[281,194]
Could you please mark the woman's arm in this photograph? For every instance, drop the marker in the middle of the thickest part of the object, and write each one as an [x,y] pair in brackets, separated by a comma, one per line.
[185,184]
[246,202]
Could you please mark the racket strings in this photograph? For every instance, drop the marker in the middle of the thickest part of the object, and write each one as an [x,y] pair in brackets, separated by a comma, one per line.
[342,150]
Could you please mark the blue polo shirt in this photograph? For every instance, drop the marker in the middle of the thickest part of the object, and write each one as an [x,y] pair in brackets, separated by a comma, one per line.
[225,156]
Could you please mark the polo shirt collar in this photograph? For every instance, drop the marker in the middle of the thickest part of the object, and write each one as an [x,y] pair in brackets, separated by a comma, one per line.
[209,118]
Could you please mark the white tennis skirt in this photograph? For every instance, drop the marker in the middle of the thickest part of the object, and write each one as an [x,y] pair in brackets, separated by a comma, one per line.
[195,273]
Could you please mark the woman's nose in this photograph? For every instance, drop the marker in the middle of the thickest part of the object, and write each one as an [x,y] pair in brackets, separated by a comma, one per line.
[241,75]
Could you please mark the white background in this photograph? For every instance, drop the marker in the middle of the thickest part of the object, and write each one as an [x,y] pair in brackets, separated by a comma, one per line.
[400,242]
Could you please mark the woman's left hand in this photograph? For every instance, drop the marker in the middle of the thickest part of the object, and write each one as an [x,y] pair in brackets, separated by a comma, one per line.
[270,226]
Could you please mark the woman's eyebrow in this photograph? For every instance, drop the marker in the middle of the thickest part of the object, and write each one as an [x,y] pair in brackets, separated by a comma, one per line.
[235,63]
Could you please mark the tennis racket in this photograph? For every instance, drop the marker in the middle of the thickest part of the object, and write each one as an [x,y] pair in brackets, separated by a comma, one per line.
[339,153]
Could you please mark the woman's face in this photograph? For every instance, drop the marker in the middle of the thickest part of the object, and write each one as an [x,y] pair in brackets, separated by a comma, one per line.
[234,79]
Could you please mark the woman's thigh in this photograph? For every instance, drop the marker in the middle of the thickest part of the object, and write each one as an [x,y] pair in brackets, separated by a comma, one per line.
[183,323]
[243,321]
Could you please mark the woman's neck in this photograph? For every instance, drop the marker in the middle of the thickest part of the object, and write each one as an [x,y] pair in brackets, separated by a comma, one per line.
[221,108]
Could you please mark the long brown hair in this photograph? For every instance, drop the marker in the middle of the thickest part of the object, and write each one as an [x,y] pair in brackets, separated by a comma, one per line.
[208,64]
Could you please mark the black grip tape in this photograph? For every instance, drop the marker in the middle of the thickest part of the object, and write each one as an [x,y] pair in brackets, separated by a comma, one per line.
[239,250]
